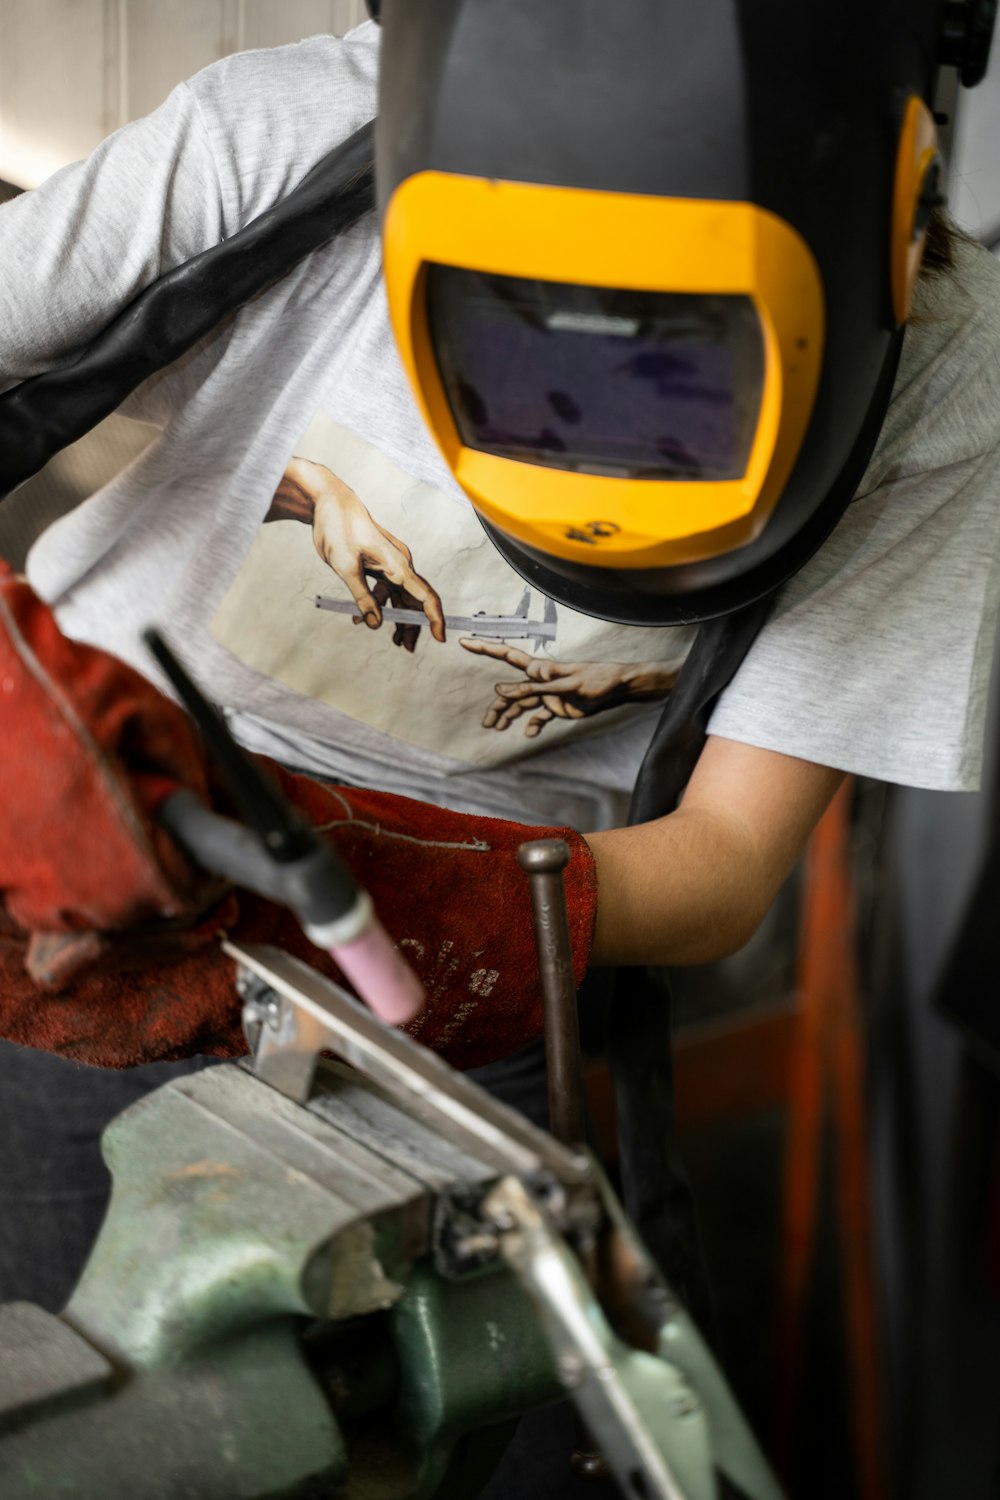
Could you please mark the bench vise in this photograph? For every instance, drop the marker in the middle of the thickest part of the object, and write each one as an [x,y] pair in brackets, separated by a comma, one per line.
[348,1278]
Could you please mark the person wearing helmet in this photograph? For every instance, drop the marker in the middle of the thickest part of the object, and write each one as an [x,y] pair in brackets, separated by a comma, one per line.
[635,379]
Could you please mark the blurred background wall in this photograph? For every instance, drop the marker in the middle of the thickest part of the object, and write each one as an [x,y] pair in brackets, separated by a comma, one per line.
[71,71]
[974,151]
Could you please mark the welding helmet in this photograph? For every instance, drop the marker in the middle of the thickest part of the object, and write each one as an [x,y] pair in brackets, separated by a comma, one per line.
[648,266]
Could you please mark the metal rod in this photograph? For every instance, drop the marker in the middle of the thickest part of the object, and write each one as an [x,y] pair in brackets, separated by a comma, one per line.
[544,861]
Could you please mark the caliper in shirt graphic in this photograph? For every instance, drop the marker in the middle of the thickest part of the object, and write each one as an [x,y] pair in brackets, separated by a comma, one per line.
[516,627]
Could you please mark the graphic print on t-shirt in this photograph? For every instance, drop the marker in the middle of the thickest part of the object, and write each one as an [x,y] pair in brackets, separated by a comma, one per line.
[383,598]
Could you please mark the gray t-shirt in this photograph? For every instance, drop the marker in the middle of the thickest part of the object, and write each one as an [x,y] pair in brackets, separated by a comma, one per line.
[876,661]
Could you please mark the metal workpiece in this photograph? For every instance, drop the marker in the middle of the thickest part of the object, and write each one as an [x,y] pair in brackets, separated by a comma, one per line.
[544,860]
[315,1015]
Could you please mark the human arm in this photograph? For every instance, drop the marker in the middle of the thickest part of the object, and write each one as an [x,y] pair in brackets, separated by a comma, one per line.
[355,546]
[876,658]
[692,887]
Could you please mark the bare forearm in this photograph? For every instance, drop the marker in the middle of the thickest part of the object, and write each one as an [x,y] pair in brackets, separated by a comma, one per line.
[692,887]
[678,891]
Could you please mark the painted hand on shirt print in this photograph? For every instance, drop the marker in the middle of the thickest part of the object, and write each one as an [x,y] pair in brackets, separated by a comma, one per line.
[377,568]
[358,549]
[566,690]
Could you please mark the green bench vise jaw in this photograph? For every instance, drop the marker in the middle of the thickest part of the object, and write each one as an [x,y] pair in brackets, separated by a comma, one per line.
[348,1279]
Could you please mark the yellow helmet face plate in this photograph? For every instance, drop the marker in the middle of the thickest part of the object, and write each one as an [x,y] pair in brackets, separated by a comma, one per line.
[630,243]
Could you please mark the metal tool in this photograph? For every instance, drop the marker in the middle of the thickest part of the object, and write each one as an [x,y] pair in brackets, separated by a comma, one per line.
[583,1343]
[544,861]
[515,627]
[342,1278]
[283,858]
[347,1295]
[647,1426]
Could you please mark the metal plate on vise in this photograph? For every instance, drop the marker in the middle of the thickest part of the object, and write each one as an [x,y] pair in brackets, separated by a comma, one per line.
[305,1143]
[368,1115]
[315,1014]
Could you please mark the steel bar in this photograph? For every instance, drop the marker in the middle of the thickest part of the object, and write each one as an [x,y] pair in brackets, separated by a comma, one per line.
[313,1014]
[544,861]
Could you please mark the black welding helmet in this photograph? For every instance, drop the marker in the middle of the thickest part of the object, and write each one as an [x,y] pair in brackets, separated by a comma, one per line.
[648,266]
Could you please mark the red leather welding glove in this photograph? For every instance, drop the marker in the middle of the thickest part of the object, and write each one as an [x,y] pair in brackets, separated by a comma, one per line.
[447,887]
[89,750]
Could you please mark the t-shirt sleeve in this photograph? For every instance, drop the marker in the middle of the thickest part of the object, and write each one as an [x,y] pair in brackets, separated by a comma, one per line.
[85,243]
[877,657]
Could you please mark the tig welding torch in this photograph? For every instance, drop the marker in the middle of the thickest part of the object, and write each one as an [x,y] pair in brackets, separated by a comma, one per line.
[283,859]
